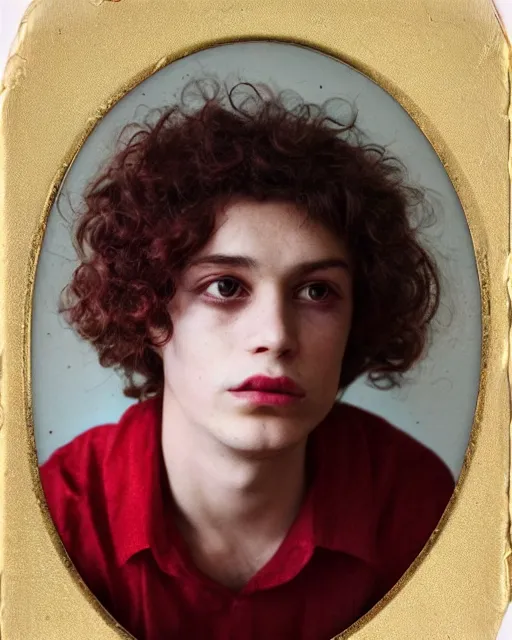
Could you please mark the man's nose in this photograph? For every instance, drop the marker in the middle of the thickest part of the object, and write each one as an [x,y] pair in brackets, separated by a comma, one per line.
[274,324]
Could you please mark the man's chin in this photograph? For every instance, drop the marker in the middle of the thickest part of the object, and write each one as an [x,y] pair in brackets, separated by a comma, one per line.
[264,440]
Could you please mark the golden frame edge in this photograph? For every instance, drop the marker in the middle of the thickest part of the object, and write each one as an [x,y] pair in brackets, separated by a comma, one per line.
[21,249]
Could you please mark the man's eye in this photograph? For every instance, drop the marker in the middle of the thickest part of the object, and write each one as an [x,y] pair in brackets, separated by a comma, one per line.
[227,288]
[223,288]
[318,291]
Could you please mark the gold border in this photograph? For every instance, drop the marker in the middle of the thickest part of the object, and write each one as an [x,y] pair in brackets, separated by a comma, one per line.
[508,272]
[405,611]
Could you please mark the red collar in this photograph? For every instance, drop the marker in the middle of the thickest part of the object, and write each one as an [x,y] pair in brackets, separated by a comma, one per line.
[338,512]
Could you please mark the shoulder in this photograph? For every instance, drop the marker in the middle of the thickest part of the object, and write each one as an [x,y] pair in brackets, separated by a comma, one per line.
[88,448]
[80,471]
[407,484]
[84,483]
[394,455]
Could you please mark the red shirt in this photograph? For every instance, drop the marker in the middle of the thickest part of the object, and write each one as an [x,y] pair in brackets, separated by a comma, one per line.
[374,498]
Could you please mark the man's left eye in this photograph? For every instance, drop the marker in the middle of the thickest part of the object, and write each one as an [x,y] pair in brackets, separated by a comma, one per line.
[318,290]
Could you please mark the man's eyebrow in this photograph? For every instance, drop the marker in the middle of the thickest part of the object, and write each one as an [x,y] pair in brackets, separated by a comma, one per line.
[223,260]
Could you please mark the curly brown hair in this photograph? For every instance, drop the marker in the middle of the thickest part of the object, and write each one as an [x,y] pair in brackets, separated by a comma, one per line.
[153,206]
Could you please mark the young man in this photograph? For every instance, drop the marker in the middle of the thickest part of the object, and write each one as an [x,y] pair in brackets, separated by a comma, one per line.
[241,265]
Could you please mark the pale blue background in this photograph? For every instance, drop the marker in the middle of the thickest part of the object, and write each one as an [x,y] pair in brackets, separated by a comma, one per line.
[71,393]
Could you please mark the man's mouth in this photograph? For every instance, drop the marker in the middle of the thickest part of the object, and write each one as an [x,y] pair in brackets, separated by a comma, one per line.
[278,386]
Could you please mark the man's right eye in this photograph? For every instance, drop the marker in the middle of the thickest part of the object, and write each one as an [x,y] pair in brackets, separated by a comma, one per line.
[225,287]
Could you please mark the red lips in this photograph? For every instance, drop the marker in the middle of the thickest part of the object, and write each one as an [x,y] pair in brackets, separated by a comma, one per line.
[271,385]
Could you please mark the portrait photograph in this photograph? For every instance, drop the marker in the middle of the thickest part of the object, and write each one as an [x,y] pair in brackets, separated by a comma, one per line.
[261,349]
[280,285]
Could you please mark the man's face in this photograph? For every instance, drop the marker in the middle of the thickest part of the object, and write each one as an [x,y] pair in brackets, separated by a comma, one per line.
[270,317]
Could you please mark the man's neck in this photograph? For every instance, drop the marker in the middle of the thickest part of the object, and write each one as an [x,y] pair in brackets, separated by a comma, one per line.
[233,510]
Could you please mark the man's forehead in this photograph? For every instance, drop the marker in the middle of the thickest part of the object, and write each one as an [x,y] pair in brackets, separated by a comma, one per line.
[248,262]
[250,230]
